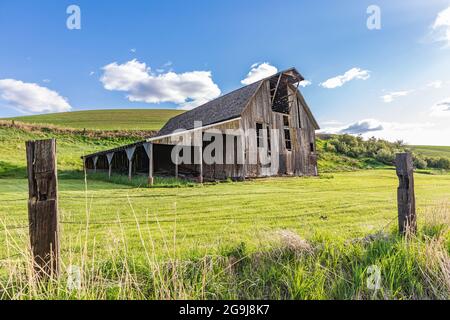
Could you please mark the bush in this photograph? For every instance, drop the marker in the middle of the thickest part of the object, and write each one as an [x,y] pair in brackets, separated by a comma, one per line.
[420,163]
[385,156]
[380,150]
[438,163]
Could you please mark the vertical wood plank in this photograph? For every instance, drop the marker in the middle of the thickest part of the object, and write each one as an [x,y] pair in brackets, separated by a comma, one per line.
[405,194]
[43,206]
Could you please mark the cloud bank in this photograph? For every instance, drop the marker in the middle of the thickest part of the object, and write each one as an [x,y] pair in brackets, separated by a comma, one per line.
[32,98]
[188,90]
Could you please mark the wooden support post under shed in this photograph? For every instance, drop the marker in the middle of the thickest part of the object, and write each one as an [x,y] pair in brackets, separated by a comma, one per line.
[43,206]
[200,158]
[149,149]
[95,160]
[176,166]
[405,194]
[130,153]
[110,157]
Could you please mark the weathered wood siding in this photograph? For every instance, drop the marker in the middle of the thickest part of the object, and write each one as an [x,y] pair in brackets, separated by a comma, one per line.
[300,160]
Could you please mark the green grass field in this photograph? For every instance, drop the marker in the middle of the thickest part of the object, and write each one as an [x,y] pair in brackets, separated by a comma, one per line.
[121,119]
[278,238]
[432,151]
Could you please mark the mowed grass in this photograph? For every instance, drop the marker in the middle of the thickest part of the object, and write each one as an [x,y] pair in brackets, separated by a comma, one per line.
[202,218]
[278,238]
[119,119]
[433,151]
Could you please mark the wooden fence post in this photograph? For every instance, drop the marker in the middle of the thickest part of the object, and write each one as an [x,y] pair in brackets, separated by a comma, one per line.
[43,206]
[405,194]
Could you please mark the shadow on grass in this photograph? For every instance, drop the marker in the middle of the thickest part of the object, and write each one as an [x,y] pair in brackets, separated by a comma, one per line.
[8,170]
[139,181]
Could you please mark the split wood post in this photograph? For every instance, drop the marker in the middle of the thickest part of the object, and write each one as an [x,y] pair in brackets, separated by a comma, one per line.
[405,194]
[110,157]
[43,206]
[149,149]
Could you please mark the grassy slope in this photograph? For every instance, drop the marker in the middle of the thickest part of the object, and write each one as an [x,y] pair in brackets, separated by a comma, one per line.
[350,203]
[121,119]
[432,151]
[114,226]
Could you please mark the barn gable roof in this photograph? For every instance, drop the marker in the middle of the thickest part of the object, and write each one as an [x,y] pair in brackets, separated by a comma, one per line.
[226,107]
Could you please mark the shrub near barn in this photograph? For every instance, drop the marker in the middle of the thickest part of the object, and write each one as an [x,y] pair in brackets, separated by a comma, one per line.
[381,151]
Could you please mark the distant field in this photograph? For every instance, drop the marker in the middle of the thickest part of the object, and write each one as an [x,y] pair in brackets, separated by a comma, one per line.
[121,119]
[432,151]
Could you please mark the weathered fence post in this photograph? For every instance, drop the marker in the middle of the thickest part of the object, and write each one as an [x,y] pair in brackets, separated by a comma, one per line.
[43,206]
[405,194]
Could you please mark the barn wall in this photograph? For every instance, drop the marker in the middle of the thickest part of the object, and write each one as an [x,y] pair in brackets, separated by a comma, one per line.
[300,160]
[297,161]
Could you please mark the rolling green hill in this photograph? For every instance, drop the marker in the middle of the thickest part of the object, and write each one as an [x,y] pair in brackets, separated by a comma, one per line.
[432,151]
[120,119]
[291,238]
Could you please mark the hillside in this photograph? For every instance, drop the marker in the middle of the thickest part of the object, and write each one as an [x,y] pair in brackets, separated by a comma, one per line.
[432,151]
[274,233]
[120,119]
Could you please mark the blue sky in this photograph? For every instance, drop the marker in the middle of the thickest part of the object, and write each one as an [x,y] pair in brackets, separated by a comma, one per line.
[178,54]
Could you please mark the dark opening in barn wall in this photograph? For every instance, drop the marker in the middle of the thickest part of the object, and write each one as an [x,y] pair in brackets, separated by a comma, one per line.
[279,95]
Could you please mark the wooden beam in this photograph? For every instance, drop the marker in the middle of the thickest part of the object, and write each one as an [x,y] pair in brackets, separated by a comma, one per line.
[405,194]
[200,151]
[110,157]
[43,206]
[148,146]
[130,153]
[176,166]
[276,88]
[95,160]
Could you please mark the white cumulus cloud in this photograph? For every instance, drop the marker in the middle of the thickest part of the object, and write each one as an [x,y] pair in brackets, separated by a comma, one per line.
[259,71]
[441,26]
[188,90]
[32,98]
[305,83]
[436,84]
[352,74]
[388,98]
[441,109]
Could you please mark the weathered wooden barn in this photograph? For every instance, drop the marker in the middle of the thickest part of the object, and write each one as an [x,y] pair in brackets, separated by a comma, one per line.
[270,125]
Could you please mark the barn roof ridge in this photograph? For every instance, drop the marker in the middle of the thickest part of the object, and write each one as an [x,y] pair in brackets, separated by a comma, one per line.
[225,107]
